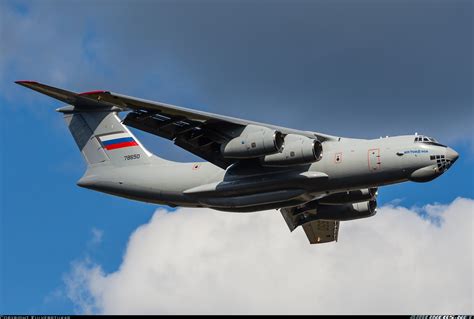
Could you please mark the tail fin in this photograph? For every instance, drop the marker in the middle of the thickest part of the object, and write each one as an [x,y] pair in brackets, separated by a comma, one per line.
[101,137]
[96,128]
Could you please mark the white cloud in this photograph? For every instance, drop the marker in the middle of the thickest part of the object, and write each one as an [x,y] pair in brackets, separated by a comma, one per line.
[97,235]
[204,261]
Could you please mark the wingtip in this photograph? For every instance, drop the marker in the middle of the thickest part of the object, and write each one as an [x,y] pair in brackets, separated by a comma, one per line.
[25,82]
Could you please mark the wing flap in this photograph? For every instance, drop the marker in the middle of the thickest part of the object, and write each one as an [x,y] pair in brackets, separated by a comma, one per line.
[199,138]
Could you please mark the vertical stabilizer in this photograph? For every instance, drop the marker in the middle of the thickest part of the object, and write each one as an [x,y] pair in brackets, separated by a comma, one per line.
[101,137]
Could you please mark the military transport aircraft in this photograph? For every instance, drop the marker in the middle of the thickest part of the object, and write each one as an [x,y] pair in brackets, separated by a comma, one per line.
[316,180]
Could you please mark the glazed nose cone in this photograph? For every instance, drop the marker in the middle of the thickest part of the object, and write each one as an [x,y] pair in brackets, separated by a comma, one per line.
[451,155]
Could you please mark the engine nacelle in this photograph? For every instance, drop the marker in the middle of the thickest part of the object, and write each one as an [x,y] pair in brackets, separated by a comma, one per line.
[347,211]
[350,197]
[298,150]
[314,211]
[254,141]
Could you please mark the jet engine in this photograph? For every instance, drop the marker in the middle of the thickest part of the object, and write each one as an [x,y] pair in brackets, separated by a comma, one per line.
[350,197]
[254,141]
[313,211]
[298,150]
[347,211]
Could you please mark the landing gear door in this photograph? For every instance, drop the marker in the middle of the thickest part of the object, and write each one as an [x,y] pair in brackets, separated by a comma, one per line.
[374,160]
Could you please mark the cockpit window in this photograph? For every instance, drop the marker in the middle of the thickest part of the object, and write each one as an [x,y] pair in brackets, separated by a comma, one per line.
[427,140]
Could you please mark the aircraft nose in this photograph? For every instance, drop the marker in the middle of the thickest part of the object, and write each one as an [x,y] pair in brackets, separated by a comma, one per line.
[451,155]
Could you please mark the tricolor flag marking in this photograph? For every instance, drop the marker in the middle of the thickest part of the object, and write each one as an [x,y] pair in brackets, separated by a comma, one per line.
[116,141]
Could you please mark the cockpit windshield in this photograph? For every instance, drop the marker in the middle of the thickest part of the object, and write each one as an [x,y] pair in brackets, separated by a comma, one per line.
[427,140]
[421,138]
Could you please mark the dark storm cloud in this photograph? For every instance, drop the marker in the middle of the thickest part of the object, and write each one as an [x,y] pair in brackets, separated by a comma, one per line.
[351,68]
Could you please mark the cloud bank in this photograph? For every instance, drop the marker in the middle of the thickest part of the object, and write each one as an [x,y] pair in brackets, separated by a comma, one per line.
[208,262]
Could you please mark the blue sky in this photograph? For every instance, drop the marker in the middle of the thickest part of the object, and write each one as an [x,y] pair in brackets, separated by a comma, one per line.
[362,82]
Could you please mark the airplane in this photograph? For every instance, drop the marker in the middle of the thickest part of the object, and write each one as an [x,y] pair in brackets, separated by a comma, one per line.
[315,180]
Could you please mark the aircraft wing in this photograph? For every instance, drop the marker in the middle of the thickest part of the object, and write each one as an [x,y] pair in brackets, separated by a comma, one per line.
[198,132]
[321,231]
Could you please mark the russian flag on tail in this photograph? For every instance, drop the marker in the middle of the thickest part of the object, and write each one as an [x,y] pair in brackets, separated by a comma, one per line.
[116,141]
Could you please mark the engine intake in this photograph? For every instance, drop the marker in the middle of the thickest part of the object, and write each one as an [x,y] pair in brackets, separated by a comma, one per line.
[254,141]
[298,150]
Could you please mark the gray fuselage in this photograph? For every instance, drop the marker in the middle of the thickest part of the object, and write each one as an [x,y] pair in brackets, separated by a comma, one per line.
[346,164]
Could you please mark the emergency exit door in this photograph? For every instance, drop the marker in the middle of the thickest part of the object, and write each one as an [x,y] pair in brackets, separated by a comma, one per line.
[374,159]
